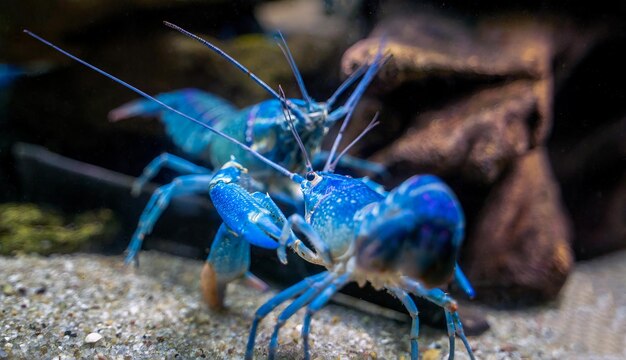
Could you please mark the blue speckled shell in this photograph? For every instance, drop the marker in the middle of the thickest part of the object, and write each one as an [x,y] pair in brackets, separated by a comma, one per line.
[331,206]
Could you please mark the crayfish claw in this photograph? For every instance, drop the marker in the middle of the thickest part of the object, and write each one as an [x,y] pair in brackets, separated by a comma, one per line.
[282,254]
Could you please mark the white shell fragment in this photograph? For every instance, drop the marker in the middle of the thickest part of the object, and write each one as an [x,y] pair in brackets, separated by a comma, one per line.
[92,338]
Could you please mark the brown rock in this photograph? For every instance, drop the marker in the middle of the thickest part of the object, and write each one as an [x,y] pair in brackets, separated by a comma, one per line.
[520,246]
[474,103]
[426,44]
[498,52]
[478,135]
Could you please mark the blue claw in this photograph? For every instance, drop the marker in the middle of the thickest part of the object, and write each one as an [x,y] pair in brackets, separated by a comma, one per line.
[256,233]
[242,213]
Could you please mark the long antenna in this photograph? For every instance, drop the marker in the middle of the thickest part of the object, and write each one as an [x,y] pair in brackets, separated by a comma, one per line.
[282,44]
[287,114]
[355,75]
[256,79]
[338,138]
[295,177]
[378,62]
[367,129]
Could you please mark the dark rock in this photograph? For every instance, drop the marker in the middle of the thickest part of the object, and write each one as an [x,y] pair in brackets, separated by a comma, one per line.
[473,102]
[477,136]
[593,173]
[428,44]
[453,61]
[520,247]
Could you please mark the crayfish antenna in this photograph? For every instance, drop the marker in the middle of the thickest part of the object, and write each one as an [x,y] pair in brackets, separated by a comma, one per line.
[293,176]
[307,158]
[282,44]
[244,69]
[346,84]
[333,150]
[378,62]
[367,129]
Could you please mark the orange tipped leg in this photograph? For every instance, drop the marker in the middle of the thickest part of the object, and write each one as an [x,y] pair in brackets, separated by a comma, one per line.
[212,291]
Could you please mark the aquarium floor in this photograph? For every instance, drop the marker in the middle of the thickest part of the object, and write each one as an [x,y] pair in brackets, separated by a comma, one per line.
[50,305]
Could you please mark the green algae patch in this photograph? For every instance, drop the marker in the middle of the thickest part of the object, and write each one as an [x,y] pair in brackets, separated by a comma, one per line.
[29,228]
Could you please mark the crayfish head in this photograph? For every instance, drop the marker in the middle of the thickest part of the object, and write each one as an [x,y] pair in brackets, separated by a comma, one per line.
[317,185]
[312,179]
[316,114]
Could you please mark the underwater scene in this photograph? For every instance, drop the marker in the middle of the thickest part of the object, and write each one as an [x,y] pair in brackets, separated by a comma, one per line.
[312,179]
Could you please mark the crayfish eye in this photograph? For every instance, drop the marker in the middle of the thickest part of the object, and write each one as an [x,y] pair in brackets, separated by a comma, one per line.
[310,176]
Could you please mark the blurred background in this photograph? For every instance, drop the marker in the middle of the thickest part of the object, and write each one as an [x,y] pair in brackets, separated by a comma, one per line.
[519,106]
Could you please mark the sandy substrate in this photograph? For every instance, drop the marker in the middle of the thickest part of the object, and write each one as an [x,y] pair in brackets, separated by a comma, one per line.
[50,306]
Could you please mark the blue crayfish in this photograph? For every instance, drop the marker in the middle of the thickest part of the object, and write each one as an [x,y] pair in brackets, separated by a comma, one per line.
[260,126]
[405,241]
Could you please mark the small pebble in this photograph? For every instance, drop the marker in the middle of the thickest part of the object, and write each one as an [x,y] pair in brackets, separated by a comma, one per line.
[92,338]
[431,354]
[8,290]
[508,348]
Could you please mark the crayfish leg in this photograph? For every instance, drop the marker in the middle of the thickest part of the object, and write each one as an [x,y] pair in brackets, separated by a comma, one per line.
[212,291]
[228,260]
